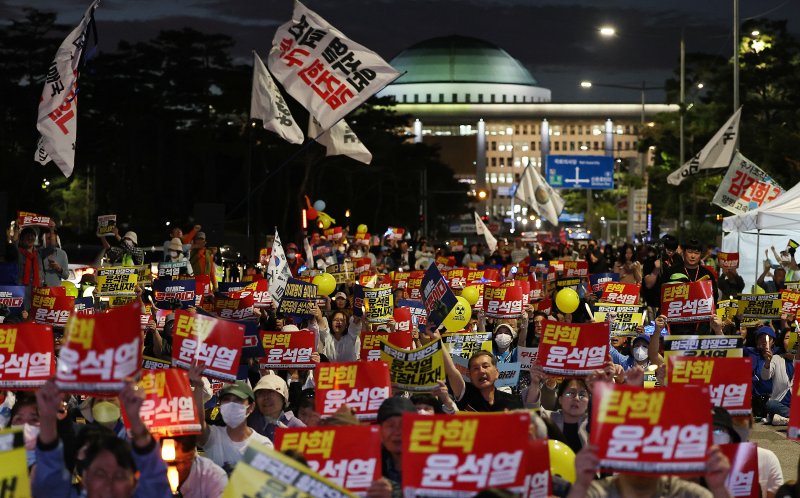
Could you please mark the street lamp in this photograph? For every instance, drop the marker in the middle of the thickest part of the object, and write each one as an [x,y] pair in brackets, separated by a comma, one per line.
[607,31]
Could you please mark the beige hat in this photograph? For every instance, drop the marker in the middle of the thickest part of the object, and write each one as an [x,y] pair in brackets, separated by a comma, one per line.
[175,245]
[272,382]
[132,236]
[290,328]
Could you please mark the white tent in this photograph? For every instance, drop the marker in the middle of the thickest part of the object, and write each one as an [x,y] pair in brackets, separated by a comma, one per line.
[771,225]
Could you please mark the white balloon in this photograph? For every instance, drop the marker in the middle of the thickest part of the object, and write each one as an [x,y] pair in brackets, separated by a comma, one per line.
[319,205]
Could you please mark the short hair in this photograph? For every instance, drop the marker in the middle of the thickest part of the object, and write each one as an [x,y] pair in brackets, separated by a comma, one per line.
[478,354]
[566,382]
[120,449]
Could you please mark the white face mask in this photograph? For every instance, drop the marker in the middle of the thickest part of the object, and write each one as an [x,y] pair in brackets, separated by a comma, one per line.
[233,414]
[291,255]
[173,254]
[640,353]
[503,341]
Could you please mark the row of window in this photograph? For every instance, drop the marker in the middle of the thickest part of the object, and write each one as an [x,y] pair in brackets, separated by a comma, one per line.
[502,99]
[563,146]
[557,130]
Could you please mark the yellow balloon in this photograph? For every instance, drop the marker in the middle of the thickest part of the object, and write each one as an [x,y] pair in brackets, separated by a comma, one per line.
[562,460]
[459,316]
[70,288]
[471,294]
[325,283]
[567,300]
[362,228]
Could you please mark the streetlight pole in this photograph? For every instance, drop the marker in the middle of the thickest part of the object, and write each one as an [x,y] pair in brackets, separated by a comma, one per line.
[682,153]
[735,55]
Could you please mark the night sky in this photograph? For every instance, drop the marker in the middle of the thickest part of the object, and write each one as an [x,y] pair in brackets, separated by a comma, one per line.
[558,41]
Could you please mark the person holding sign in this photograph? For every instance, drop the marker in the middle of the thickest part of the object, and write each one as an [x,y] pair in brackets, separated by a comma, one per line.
[110,465]
[127,253]
[29,264]
[480,395]
[340,341]
[54,260]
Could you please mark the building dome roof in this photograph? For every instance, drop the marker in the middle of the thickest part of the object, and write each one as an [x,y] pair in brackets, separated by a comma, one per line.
[459,59]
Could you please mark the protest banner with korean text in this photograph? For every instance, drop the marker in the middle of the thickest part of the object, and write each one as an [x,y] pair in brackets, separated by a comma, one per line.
[26,219]
[12,297]
[287,349]
[414,284]
[117,281]
[371,342]
[214,342]
[793,429]
[100,351]
[378,304]
[437,296]
[168,407]
[501,300]
[168,292]
[464,344]
[626,317]
[415,370]
[362,386]
[598,280]
[727,309]
[419,316]
[299,298]
[14,479]
[688,302]
[761,306]
[348,456]
[51,308]
[790,304]
[150,363]
[651,431]
[265,472]
[717,346]
[527,357]
[342,272]
[729,380]
[235,305]
[573,349]
[545,305]
[575,269]
[172,270]
[459,456]
[538,481]
[27,355]
[402,319]
[619,293]
[728,260]
[106,224]
[743,479]
[745,187]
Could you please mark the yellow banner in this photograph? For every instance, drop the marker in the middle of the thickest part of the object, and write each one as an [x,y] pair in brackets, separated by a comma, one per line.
[464,344]
[117,281]
[266,473]
[14,481]
[378,304]
[627,317]
[761,306]
[415,370]
[727,309]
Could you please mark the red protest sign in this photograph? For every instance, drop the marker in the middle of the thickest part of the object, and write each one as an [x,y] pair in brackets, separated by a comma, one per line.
[360,385]
[349,456]
[538,483]
[27,355]
[360,265]
[728,259]
[688,302]
[400,279]
[234,305]
[457,278]
[573,349]
[576,269]
[537,290]
[793,430]
[402,319]
[202,338]
[287,349]
[25,219]
[51,309]
[503,300]
[100,351]
[651,431]
[545,305]
[791,303]
[414,283]
[168,408]
[443,454]
[743,478]
[371,342]
[619,293]
[333,233]
[445,263]
[728,379]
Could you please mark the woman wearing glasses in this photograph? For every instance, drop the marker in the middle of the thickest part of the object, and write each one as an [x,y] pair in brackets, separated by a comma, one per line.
[572,415]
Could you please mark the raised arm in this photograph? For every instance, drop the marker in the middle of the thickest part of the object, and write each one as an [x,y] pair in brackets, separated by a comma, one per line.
[196,381]
[454,377]
[655,342]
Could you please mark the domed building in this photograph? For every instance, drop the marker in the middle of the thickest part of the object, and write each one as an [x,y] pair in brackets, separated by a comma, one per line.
[491,119]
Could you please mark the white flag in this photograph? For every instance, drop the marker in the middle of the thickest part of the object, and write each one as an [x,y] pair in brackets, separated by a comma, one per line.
[340,141]
[309,253]
[278,272]
[745,187]
[717,153]
[329,74]
[268,105]
[481,229]
[534,191]
[58,107]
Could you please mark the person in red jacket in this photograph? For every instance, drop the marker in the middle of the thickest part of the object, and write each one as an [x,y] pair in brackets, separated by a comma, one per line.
[293,258]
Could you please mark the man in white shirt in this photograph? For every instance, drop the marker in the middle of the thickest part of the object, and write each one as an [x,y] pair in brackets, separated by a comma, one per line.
[198,477]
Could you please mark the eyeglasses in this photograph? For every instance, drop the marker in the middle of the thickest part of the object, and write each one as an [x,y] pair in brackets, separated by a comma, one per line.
[581,395]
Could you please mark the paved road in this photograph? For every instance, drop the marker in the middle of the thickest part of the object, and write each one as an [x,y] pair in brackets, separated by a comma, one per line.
[774,438]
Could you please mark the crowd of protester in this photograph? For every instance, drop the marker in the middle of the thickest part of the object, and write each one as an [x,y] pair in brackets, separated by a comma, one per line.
[78,445]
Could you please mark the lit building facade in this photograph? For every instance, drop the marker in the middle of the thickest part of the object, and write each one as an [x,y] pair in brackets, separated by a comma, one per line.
[490,118]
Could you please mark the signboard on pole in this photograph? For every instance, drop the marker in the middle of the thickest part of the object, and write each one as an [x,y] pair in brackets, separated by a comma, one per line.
[588,172]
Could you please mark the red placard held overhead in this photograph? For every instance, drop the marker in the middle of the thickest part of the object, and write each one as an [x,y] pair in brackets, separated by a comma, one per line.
[743,478]
[27,356]
[287,349]
[201,338]
[100,351]
[688,302]
[651,431]
[168,408]
[360,385]
[729,380]
[573,349]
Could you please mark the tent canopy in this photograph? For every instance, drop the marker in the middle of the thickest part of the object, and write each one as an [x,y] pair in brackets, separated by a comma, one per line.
[781,214]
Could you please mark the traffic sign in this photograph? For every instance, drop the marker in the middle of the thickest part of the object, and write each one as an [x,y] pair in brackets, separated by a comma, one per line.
[586,172]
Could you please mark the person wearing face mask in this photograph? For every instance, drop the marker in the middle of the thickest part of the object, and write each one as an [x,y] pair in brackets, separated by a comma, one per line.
[225,445]
[504,347]
[293,258]
[175,255]
[127,253]
[104,412]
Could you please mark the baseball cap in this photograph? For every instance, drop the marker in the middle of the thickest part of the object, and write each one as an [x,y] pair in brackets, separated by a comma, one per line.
[644,337]
[395,407]
[290,328]
[340,294]
[272,382]
[240,389]
[764,329]
[721,418]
